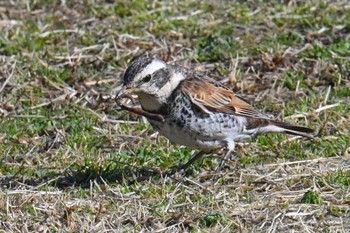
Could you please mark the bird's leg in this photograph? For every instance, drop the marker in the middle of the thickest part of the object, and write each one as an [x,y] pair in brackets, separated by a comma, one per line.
[224,160]
[192,160]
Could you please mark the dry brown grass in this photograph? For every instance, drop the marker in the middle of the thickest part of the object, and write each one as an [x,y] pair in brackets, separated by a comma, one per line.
[71,163]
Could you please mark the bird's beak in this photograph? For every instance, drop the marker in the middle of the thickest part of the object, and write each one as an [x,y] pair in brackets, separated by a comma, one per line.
[125,91]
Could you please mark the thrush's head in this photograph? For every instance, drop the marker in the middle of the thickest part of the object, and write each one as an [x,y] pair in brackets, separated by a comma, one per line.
[152,80]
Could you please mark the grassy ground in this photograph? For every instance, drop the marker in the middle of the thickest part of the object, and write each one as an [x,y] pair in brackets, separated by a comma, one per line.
[70,161]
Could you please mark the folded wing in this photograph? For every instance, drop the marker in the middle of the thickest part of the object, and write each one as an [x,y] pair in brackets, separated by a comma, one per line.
[211,98]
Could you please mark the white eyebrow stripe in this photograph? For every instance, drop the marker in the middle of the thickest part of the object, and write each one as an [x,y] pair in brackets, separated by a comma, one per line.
[151,68]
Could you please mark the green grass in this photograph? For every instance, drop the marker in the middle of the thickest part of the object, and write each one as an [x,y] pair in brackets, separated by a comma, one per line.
[71,161]
[312,197]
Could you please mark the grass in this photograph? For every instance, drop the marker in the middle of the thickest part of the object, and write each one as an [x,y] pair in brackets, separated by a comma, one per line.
[71,161]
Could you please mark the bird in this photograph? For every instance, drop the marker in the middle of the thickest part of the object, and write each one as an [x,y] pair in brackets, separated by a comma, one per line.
[192,109]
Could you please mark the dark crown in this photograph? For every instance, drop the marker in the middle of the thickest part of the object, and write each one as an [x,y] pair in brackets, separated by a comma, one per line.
[135,68]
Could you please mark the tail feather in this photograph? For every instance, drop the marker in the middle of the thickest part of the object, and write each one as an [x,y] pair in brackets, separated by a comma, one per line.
[293,129]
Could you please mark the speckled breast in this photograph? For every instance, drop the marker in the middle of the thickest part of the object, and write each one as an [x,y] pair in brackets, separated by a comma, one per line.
[185,125]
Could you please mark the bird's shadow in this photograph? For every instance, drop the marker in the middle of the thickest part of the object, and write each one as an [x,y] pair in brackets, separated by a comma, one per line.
[125,175]
[82,176]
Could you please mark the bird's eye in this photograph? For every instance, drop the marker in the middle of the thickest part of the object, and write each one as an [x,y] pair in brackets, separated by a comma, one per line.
[147,78]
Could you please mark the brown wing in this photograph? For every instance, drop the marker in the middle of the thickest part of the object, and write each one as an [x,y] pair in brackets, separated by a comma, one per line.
[209,97]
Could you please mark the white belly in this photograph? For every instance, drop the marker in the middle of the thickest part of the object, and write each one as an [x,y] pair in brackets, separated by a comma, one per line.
[187,136]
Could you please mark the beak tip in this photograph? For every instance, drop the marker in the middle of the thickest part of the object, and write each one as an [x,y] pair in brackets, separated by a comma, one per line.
[117,96]
[120,93]
[125,92]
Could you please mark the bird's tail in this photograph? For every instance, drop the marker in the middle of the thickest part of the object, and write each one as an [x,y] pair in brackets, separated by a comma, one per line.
[291,129]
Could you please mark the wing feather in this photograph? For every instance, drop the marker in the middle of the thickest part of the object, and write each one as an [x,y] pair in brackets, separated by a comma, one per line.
[209,98]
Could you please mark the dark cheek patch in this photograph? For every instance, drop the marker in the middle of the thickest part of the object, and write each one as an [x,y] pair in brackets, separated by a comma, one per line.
[161,77]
